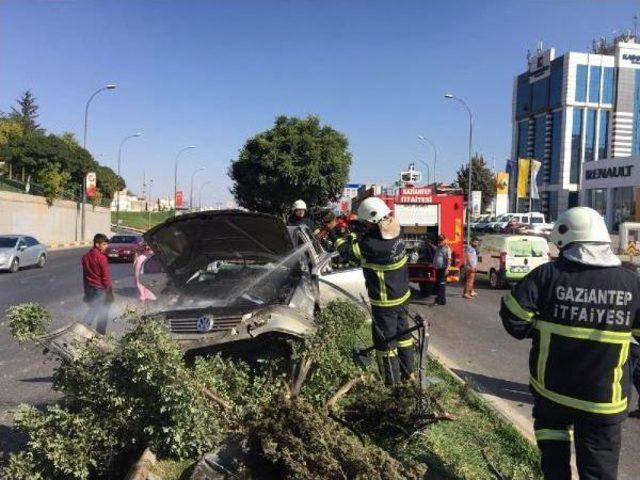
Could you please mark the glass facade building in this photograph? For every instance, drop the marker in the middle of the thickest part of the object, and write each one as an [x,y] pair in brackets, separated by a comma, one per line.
[575,110]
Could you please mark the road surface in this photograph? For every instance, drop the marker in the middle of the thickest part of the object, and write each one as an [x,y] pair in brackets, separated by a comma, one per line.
[469,337]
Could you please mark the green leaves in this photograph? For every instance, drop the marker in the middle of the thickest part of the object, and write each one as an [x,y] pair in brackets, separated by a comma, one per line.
[28,321]
[482,179]
[296,158]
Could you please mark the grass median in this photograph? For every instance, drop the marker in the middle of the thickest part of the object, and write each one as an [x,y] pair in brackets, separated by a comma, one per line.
[141,220]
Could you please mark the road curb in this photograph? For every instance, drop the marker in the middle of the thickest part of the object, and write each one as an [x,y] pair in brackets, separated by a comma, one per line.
[499,407]
[64,246]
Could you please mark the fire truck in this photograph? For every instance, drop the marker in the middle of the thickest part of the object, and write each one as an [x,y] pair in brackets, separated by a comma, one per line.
[424,212]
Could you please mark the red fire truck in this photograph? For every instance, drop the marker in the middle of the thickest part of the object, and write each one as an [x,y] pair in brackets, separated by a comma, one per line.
[424,212]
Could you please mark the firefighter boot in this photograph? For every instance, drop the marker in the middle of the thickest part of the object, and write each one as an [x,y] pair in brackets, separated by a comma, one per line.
[406,351]
[389,366]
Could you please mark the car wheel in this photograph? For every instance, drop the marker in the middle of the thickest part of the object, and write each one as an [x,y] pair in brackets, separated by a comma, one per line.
[42,260]
[15,266]
[494,280]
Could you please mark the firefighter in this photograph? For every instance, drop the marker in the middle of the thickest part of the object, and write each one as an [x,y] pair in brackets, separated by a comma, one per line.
[381,252]
[580,312]
[299,215]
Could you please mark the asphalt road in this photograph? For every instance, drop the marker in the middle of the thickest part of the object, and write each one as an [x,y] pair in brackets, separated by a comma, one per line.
[469,337]
[25,373]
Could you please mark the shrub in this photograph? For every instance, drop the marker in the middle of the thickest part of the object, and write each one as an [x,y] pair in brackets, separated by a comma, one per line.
[28,321]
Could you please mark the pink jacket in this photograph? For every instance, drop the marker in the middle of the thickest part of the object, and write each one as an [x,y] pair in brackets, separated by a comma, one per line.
[144,294]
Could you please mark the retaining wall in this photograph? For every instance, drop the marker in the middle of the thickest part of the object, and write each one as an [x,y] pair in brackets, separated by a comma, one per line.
[56,224]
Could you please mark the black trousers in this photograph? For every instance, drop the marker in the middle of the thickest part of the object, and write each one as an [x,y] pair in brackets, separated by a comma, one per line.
[395,357]
[597,442]
[441,286]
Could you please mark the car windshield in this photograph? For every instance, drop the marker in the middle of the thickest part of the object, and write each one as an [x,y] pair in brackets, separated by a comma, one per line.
[525,247]
[7,242]
[232,282]
[123,239]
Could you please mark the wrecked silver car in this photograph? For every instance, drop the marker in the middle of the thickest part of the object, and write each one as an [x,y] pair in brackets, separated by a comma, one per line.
[233,276]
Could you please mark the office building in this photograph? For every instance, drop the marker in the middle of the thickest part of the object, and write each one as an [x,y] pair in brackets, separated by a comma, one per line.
[575,109]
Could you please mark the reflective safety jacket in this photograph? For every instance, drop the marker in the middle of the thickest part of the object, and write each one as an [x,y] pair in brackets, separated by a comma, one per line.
[581,319]
[384,263]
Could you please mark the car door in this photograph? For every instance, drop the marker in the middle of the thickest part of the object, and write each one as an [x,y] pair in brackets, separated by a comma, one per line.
[32,252]
[21,252]
[335,283]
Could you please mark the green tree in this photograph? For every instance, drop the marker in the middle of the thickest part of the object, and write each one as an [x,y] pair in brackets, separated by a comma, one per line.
[296,158]
[53,180]
[482,179]
[26,112]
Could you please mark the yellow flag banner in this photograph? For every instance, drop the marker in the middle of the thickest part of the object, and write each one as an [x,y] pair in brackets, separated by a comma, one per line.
[502,183]
[523,176]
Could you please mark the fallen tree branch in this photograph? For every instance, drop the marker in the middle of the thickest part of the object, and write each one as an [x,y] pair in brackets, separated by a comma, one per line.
[344,389]
[212,396]
[491,467]
[300,376]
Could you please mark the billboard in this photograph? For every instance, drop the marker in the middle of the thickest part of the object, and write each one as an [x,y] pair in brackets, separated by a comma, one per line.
[91,185]
[476,203]
[179,200]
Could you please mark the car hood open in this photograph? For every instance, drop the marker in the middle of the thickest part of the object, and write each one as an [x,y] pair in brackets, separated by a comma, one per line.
[189,242]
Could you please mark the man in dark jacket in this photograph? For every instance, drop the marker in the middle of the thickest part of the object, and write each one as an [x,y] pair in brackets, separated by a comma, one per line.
[382,254]
[96,279]
[580,312]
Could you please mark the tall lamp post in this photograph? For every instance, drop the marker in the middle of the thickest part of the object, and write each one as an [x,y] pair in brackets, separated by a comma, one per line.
[199,169]
[83,218]
[175,176]
[122,142]
[428,170]
[450,96]
[149,207]
[208,182]
[435,154]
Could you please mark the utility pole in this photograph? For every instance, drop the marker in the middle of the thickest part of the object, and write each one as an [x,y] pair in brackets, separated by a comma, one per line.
[83,219]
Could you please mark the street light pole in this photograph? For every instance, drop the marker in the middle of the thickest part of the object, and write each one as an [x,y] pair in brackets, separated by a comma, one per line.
[149,207]
[450,96]
[428,170]
[435,154]
[175,176]
[119,162]
[83,218]
[200,192]
[199,169]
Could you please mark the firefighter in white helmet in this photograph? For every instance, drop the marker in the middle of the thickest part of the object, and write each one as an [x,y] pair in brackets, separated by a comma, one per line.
[381,252]
[581,312]
[299,215]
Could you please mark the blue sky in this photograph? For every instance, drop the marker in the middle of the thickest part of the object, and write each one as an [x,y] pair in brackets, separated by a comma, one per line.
[212,73]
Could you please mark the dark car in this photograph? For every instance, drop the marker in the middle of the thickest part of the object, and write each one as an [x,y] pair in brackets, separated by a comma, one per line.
[123,248]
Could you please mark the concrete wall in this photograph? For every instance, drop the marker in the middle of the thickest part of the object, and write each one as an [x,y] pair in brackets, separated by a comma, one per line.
[56,224]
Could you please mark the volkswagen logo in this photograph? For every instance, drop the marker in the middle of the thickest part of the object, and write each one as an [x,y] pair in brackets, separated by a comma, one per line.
[204,324]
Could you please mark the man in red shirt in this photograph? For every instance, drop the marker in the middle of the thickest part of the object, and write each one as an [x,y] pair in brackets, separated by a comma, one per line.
[98,292]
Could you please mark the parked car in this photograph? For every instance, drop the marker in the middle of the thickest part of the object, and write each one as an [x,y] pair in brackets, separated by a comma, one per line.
[508,258]
[232,277]
[17,251]
[479,220]
[123,248]
[482,226]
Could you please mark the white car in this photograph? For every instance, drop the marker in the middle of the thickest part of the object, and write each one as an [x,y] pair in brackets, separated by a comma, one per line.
[17,251]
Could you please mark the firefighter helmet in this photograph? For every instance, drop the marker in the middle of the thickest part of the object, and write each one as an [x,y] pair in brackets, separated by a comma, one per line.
[373,210]
[299,205]
[579,224]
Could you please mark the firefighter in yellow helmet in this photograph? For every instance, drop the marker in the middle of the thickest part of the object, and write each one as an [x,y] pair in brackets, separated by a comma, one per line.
[580,312]
[382,254]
